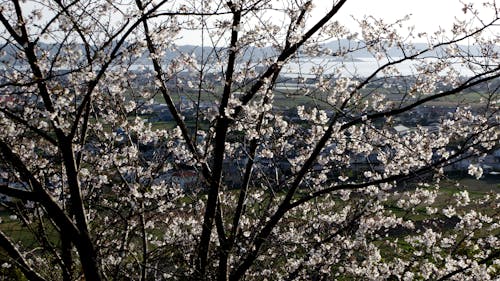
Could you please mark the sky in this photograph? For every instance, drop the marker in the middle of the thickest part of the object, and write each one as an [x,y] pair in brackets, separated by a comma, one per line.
[425,15]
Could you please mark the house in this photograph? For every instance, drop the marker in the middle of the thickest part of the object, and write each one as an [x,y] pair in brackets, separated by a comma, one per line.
[186,179]
[401,129]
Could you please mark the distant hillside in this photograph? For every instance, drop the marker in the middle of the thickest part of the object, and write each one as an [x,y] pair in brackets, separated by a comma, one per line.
[7,53]
[337,45]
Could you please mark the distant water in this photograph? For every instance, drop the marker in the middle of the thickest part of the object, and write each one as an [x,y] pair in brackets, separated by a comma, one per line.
[361,67]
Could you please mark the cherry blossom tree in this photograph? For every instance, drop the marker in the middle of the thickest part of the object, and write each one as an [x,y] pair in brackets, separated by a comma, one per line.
[128,156]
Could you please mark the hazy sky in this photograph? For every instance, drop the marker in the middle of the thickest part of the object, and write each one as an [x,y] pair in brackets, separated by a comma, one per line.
[426,15]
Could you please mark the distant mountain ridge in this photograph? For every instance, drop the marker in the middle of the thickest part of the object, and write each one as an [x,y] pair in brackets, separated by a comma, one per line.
[335,46]
[7,53]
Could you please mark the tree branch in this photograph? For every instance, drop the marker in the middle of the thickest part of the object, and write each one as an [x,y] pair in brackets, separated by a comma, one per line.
[285,206]
[489,258]
[221,128]
[18,258]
